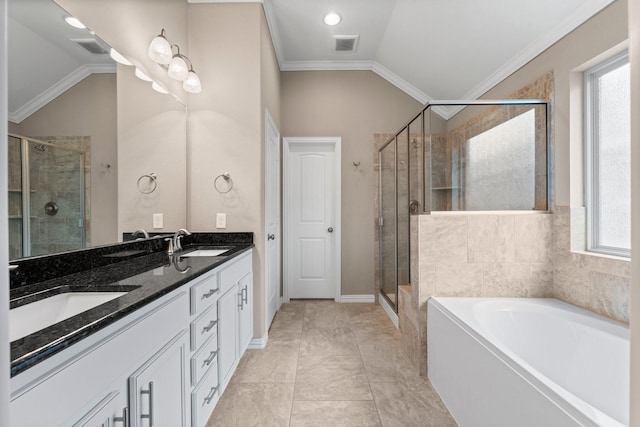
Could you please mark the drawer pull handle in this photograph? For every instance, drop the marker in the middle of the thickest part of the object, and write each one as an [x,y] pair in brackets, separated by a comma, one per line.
[124,419]
[209,359]
[210,293]
[149,416]
[209,326]
[245,292]
[240,303]
[212,393]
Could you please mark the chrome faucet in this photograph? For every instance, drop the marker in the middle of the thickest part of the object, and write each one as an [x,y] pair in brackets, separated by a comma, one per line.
[177,244]
[140,231]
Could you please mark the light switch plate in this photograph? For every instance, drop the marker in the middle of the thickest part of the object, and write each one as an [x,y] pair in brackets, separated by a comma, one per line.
[221,220]
[158,220]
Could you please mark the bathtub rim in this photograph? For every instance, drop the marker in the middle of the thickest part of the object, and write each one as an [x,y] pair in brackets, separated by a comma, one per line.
[572,405]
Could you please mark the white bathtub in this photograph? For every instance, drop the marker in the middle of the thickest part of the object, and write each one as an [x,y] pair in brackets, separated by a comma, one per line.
[527,362]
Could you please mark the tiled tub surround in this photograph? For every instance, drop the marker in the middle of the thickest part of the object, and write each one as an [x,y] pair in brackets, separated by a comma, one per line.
[506,255]
[142,268]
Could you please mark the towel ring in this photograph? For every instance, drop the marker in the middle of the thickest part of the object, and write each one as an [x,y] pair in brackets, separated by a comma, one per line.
[227,178]
[153,178]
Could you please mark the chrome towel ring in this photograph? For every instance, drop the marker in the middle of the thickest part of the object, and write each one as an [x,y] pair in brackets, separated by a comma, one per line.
[227,182]
[147,183]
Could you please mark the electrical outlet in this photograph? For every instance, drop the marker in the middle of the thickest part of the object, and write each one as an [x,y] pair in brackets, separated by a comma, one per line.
[158,220]
[221,220]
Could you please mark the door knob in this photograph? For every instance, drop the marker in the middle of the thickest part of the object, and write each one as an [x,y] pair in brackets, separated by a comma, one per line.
[271,236]
[330,229]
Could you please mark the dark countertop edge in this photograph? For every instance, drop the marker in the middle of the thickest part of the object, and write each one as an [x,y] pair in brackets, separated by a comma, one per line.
[34,356]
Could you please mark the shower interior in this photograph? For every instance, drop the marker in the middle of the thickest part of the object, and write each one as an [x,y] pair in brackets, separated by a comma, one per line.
[457,156]
[47,181]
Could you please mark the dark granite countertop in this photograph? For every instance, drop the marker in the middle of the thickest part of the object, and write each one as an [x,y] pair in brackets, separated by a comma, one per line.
[142,269]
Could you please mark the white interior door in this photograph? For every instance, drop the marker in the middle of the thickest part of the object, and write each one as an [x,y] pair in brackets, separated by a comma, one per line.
[312,212]
[272,217]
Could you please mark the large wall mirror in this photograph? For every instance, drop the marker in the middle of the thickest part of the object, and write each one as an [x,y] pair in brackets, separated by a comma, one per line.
[82,131]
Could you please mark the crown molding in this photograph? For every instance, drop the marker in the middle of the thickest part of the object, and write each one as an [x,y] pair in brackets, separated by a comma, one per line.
[325,65]
[400,83]
[578,18]
[58,89]
[272,23]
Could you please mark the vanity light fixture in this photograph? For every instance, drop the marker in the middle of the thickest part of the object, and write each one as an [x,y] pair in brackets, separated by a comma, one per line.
[178,66]
[116,56]
[332,19]
[74,22]
[160,49]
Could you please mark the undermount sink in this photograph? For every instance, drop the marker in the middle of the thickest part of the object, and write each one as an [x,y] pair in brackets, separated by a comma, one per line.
[29,318]
[206,252]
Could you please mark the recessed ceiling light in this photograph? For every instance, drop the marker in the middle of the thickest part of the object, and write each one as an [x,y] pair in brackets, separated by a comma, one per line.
[332,19]
[74,22]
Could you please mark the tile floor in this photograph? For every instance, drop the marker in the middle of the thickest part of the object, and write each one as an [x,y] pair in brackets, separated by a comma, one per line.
[329,364]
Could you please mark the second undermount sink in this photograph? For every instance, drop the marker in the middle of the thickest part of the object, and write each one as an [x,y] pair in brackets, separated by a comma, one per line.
[206,252]
[29,318]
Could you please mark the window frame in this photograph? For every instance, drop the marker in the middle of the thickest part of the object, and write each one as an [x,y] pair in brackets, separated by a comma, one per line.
[592,144]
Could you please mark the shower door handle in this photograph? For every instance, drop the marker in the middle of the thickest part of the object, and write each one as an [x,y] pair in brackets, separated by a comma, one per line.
[330,229]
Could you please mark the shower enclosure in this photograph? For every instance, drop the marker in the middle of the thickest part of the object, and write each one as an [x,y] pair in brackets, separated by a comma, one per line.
[46,197]
[458,156]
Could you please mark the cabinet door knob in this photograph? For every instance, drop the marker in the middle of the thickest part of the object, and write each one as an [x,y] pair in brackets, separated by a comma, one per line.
[330,229]
[271,237]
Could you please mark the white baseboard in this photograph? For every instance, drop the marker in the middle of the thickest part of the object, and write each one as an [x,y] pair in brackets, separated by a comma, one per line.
[356,299]
[387,308]
[258,343]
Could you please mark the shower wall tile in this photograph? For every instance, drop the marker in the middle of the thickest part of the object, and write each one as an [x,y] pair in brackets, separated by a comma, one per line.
[448,242]
[491,238]
[455,280]
[535,238]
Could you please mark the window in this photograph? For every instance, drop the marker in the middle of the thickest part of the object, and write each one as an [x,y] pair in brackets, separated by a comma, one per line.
[608,164]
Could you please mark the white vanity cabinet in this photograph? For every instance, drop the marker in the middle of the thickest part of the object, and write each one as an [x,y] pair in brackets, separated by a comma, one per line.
[235,314]
[165,364]
[90,379]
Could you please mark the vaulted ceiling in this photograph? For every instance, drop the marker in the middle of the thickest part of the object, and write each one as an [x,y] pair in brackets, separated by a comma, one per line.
[431,49]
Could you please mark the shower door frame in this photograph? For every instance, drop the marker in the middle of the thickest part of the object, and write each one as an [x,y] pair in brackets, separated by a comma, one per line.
[26,189]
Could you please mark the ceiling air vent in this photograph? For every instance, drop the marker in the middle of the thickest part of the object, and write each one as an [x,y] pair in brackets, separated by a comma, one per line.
[92,45]
[345,44]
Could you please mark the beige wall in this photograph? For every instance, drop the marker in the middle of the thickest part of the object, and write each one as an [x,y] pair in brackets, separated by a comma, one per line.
[87,109]
[152,131]
[239,76]
[353,105]
[634,34]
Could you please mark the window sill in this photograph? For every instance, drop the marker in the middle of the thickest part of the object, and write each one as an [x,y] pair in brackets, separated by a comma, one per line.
[601,255]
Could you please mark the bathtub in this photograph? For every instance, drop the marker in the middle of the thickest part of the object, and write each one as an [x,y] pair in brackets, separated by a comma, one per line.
[527,362]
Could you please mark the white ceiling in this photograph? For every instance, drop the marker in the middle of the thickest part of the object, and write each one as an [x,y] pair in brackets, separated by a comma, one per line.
[431,49]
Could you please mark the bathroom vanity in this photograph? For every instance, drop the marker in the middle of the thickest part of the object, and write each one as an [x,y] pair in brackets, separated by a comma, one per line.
[159,354]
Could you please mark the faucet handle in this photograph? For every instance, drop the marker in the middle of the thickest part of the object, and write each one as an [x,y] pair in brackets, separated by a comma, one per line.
[170,248]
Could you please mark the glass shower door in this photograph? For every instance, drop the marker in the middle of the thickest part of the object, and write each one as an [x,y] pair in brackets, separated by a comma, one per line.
[388,224]
[15,198]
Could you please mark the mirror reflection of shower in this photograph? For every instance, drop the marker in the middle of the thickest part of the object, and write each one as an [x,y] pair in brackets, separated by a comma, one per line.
[47,181]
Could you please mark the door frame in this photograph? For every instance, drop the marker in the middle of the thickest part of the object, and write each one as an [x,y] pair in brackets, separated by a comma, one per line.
[270,126]
[336,143]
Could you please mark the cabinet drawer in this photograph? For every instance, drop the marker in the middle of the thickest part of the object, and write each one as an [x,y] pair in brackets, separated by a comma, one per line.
[230,275]
[204,359]
[203,294]
[204,398]
[204,327]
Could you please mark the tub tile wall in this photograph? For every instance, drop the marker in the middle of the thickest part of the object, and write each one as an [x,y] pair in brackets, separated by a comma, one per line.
[596,283]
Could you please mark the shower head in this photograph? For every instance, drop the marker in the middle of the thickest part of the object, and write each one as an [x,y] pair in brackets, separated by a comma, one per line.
[40,147]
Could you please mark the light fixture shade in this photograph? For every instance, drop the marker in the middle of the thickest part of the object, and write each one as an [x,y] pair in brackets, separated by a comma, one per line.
[192,83]
[74,22]
[117,56]
[178,68]
[160,49]
[158,88]
[142,76]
